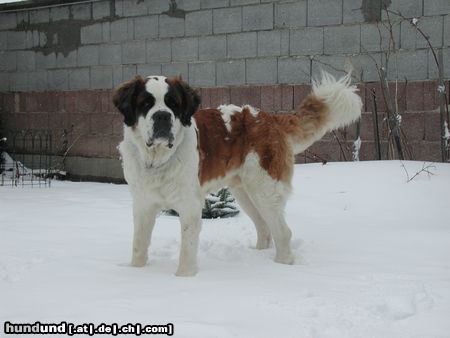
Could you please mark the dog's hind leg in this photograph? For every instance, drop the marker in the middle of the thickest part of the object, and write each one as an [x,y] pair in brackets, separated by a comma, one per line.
[264,239]
[269,197]
[144,217]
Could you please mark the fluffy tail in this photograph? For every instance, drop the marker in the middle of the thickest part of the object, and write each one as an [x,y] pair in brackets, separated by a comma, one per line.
[331,105]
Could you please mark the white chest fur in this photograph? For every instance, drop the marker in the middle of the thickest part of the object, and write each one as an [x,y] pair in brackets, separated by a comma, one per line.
[168,182]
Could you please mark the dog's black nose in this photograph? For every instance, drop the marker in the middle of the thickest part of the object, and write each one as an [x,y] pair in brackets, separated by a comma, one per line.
[161,116]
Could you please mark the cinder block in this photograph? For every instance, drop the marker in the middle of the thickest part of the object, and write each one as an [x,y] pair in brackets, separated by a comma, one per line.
[175,69]
[101,9]
[79,78]
[257,17]
[294,70]
[185,49]
[42,39]
[88,55]
[158,6]
[118,7]
[447,30]
[81,11]
[365,68]
[38,81]
[8,61]
[202,74]
[45,61]
[261,71]
[58,79]
[35,39]
[146,27]
[95,167]
[91,34]
[135,8]
[285,41]
[189,5]
[23,18]
[4,83]
[290,15]
[213,3]
[158,51]
[306,41]
[65,61]
[324,12]
[16,39]
[149,69]
[121,30]
[269,43]
[407,8]
[242,45]
[128,72]
[26,60]
[411,65]
[199,23]
[133,52]
[59,13]
[213,47]
[106,31]
[433,70]
[40,16]
[352,11]
[227,20]
[230,73]
[8,20]
[170,27]
[101,77]
[336,65]
[436,7]
[110,55]
[431,26]
[117,75]
[342,39]
[375,38]
[19,82]
[3,41]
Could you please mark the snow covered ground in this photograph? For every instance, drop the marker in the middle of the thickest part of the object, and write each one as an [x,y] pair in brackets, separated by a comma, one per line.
[373,260]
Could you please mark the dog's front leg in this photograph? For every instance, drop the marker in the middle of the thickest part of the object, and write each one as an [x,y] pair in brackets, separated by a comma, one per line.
[144,220]
[190,232]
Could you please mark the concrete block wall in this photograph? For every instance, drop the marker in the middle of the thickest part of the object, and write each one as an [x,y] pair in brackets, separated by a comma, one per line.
[97,45]
[59,63]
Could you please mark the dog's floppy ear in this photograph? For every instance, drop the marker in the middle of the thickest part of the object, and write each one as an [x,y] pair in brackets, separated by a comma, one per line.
[124,99]
[190,100]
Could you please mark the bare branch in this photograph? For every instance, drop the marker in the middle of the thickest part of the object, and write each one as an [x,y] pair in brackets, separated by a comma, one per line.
[425,169]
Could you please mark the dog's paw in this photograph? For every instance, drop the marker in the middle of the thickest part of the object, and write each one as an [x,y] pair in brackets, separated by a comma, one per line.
[138,261]
[181,272]
[263,244]
[285,259]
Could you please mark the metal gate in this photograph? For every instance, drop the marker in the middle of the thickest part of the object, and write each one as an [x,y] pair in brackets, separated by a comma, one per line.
[26,158]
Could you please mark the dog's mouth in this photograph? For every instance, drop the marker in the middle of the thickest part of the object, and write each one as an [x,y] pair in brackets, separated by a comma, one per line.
[165,139]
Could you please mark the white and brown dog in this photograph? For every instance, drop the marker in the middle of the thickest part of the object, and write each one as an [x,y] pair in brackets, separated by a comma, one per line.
[173,154]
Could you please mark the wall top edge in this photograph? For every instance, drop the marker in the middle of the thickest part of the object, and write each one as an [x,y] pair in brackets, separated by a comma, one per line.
[36,4]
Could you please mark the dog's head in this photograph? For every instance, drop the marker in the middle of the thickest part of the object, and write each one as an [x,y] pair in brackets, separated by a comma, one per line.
[156,107]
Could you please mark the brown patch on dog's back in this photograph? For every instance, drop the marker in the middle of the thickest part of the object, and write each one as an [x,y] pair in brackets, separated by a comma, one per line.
[222,151]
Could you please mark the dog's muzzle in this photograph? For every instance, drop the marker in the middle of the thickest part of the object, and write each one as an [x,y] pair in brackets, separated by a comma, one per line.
[162,129]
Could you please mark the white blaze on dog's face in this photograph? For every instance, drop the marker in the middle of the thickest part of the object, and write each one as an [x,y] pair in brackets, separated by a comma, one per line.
[156,107]
[156,121]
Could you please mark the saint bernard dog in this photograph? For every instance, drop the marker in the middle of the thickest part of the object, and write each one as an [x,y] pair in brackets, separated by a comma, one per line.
[173,154]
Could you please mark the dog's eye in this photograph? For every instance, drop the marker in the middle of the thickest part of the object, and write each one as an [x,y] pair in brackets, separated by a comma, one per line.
[147,104]
[171,102]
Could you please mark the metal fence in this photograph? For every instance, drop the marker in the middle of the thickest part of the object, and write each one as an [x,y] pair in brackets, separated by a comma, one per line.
[26,158]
